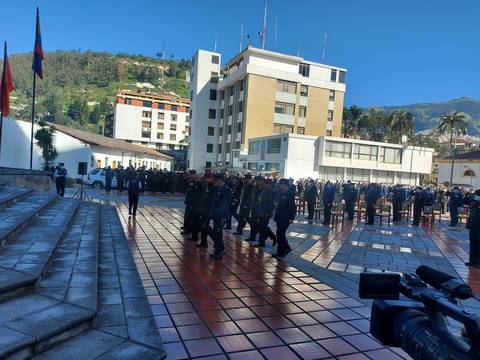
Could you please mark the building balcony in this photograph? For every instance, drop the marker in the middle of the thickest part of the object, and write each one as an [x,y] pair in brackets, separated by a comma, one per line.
[302,121]
[286,97]
[284,119]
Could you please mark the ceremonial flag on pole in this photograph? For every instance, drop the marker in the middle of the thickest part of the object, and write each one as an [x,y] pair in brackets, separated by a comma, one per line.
[38,51]
[7,85]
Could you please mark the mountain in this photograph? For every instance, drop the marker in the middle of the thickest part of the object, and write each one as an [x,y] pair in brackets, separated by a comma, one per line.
[79,88]
[427,115]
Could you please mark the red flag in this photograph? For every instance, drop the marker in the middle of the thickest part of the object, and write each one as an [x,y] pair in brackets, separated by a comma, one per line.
[7,85]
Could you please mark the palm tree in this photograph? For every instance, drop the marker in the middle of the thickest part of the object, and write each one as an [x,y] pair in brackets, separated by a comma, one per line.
[453,123]
[401,122]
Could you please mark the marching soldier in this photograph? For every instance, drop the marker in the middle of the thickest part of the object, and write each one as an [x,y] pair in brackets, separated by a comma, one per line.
[265,212]
[187,217]
[220,211]
[245,203]
[285,210]
[143,178]
[255,207]
[205,209]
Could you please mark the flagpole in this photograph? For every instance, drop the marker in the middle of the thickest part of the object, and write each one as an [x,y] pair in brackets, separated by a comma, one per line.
[33,120]
[4,88]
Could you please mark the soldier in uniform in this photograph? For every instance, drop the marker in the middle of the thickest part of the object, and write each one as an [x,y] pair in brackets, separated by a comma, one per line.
[398,198]
[108,178]
[350,196]
[60,176]
[133,195]
[311,198]
[372,196]
[205,209]
[265,212]
[235,186]
[328,196]
[220,211]
[196,207]
[120,179]
[285,210]
[245,203]
[473,225]
[143,178]
[419,200]
[255,207]
[187,217]
[454,202]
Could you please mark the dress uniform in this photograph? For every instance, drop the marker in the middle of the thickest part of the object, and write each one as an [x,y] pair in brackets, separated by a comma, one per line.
[311,198]
[255,207]
[245,204]
[133,195]
[398,198]
[328,196]
[267,203]
[187,220]
[350,196]
[220,212]
[108,178]
[285,210]
[371,197]
[60,179]
[205,209]
[473,224]
[419,200]
[455,201]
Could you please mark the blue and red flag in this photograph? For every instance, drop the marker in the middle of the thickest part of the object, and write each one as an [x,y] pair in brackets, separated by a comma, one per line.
[38,51]
[6,86]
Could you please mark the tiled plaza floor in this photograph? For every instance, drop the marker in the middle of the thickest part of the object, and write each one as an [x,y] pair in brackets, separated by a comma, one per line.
[247,306]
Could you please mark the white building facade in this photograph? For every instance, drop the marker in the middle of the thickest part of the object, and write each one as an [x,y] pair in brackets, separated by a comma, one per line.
[159,121]
[334,158]
[75,146]
[466,170]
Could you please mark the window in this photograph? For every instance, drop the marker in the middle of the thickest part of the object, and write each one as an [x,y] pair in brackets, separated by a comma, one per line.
[209,148]
[254,148]
[240,106]
[239,127]
[304,70]
[211,131]
[286,86]
[220,131]
[390,155]
[302,111]
[146,124]
[341,77]
[128,101]
[214,77]
[173,137]
[187,119]
[230,110]
[160,136]
[212,113]
[161,106]
[241,84]
[227,147]
[221,113]
[219,148]
[238,144]
[272,166]
[303,90]
[330,115]
[174,108]
[300,130]
[213,94]
[208,164]
[333,75]
[360,175]
[365,152]
[338,149]
[273,146]
[215,59]
[329,133]
[146,114]
[145,134]
[282,129]
[331,96]
[160,126]
[469,172]
[147,104]
[161,116]
[173,127]
[284,108]
[230,90]
[222,95]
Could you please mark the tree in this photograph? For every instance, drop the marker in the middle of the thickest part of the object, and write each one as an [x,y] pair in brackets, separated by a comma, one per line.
[453,123]
[351,117]
[401,123]
[45,137]
[78,111]
[373,125]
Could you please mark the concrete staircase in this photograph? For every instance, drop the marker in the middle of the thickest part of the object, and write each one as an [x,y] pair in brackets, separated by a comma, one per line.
[66,279]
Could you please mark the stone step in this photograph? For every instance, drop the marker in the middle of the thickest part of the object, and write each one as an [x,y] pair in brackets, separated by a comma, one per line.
[34,323]
[24,257]
[21,213]
[9,195]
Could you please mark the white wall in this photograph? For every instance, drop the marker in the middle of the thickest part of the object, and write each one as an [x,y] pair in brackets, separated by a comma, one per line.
[459,169]
[300,161]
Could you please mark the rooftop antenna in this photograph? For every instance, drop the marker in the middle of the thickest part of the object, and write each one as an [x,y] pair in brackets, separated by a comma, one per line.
[264,27]
[215,44]
[324,46]
[241,39]
[275,37]
[298,52]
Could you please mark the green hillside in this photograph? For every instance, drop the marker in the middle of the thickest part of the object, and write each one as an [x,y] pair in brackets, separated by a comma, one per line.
[427,115]
[78,88]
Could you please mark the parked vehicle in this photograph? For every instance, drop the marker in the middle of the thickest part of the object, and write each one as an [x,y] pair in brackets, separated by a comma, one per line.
[96,179]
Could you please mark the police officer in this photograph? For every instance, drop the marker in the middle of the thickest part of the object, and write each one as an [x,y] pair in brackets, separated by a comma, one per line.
[327,198]
[255,207]
[220,211]
[196,207]
[108,178]
[205,209]
[187,217]
[473,224]
[143,179]
[398,198]
[311,198]
[60,176]
[350,196]
[236,188]
[455,201]
[133,195]
[419,200]
[371,197]
[285,210]
[120,179]
[267,203]
[245,203]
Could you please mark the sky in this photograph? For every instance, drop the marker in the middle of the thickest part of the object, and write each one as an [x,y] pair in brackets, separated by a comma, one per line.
[397,52]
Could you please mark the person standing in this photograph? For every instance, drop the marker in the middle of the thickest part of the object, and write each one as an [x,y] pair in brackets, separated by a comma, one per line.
[473,225]
[350,196]
[267,203]
[398,198]
[454,202]
[196,207]
[255,207]
[371,198]
[60,176]
[108,178]
[205,209]
[285,210]
[328,196]
[143,179]
[133,195]
[419,200]
[311,194]
[187,217]
[120,179]
[220,211]
[245,203]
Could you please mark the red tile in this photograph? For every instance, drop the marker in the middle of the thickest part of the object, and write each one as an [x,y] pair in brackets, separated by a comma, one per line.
[224,328]
[292,335]
[251,325]
[214,316]
[279,352]
[235,343]
[254,301]
[277,322]
[192,332]
[310,351]
[337,346]
[318,332]
[324,316]
[265,339]
[265,310]
[231,303]
[342,328]
[186,319]
[363,342]
[382,354]
[240,314]
[207,305]
[246,355]
[301,319]
[202,347]
[289,308]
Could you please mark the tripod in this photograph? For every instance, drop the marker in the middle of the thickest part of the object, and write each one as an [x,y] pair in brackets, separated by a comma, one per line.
[81,193]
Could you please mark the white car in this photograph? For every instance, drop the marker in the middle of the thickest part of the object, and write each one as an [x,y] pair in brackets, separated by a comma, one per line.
[96,179]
